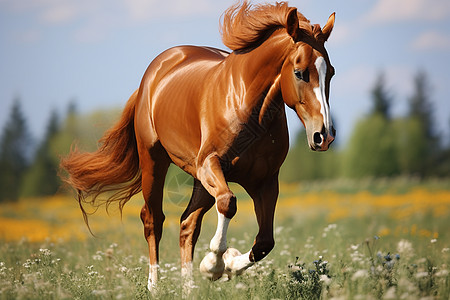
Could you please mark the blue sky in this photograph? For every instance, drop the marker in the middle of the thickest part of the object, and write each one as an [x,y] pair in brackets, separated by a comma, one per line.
[95,52]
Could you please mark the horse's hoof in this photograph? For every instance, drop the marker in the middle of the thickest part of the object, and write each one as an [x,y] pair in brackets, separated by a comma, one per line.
[212,266]
[235,262]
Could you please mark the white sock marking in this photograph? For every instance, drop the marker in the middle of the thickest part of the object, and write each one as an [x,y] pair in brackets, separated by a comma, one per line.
[152,276]
[219,241]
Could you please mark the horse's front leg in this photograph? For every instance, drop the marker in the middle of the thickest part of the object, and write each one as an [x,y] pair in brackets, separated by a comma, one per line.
[264,195]
[212,178]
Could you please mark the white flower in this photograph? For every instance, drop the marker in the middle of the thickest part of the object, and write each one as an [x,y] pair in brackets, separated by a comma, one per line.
[285,252]
[143,259]
[354,247]
[390,293]
[444,250]
[325,279]
[433,241]
[360,274]
[442,273]
[404,247]
[45,252]
[421,274]
[97,257]
[240,285]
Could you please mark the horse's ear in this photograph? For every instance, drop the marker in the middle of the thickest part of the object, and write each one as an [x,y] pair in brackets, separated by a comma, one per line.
[292,24]
[326,31]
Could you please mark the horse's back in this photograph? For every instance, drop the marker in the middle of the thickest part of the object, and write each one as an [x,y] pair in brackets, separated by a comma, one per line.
[171,93]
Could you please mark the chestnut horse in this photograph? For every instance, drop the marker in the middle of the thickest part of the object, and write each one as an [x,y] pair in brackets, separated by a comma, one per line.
[220,117]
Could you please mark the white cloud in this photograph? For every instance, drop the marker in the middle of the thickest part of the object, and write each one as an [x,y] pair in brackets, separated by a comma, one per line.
[409,10]
[432,41]
[93,19]
[143,10]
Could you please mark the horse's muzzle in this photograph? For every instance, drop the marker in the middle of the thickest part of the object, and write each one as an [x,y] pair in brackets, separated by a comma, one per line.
[323,139]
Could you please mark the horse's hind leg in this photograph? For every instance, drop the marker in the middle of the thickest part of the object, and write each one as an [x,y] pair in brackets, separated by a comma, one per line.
[201,201]
[154,165]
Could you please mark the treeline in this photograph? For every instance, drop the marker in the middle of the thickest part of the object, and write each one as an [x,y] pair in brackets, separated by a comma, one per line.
[30,170]
[380,145]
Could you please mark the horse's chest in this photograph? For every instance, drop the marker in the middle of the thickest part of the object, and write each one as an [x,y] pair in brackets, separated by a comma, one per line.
[257,149]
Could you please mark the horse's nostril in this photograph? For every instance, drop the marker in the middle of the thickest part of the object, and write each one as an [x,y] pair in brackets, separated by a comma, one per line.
[317,138]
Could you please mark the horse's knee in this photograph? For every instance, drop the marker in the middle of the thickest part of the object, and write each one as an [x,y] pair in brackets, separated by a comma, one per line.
[261,249]
[153,223]
[226,205]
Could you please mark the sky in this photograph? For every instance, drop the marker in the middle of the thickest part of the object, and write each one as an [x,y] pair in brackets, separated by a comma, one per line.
[53,52]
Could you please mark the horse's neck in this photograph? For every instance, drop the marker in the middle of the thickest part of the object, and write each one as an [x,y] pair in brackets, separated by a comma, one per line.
[259,71]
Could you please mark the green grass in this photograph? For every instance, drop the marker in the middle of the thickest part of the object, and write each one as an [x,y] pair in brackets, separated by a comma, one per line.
[311,260]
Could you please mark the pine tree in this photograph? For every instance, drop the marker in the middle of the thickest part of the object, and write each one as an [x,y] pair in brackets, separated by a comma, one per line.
[420,106]
[418,144]
[15,151]
[41,178]
[381,98]
[371,150]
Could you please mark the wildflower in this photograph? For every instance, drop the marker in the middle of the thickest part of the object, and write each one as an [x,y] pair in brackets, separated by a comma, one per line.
[109,252]
[45,252]
[354,247]
[325,279]
[442,273]
[433,241]
[123,269]
[421,274]
[444,250]
[390,293]
[360,274]
[240,286]
[285,252]
[99,292]
[279,229]
[143,259]
[27,264]
[97,257]
[404,247]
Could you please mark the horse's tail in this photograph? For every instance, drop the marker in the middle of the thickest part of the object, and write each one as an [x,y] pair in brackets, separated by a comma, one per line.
[112,170]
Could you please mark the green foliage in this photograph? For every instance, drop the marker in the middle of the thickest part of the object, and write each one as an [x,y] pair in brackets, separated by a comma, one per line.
[380,145]
[41,178]
[412,148]
[304,164]
[15,145]
[381,99]
[371,151]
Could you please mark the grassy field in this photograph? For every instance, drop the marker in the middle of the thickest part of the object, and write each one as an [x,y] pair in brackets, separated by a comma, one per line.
[388,243]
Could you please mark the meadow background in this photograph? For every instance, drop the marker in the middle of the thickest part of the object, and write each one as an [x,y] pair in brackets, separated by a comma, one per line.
[390,243]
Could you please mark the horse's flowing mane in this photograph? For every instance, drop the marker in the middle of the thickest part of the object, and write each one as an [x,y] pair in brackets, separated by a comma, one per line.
[245,26]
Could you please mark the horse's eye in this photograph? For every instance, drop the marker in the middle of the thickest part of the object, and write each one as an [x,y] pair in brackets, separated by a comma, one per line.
[302,75]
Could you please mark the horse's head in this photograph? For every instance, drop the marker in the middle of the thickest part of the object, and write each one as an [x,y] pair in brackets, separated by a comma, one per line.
[305,79]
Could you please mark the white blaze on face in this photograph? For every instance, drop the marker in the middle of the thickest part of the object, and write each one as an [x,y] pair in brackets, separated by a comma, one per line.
[321,67]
